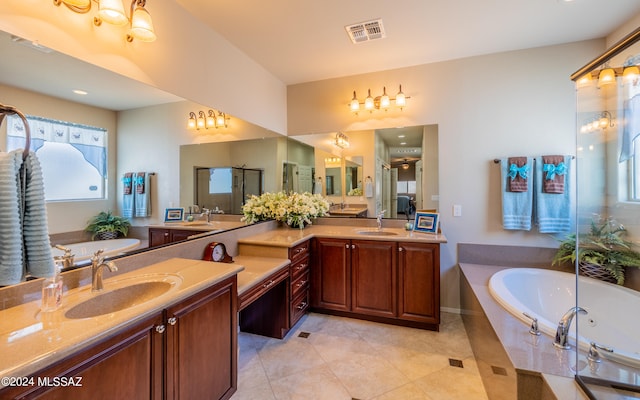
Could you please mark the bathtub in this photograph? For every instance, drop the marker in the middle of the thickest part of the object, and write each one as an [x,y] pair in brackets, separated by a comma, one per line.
[547,294]
[84,250]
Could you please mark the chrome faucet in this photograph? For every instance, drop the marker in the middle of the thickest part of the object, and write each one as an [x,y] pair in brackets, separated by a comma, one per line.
[66,259]
[207,212]
[97,265]
[379,219]
[562,333]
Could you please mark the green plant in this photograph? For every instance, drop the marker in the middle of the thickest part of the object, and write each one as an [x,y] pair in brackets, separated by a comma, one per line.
[603,245]
[105,221]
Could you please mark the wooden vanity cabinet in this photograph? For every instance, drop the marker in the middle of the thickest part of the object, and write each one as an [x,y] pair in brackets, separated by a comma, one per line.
[299,271]
[160,236]
[187,351]
[385,281]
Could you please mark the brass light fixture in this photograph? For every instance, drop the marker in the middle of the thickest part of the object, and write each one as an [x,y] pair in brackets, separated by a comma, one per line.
[113,12]
[208,120]
[383,101]
[607,76]
[600,121]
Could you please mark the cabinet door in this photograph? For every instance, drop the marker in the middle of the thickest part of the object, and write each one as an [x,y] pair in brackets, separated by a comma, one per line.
[158,236]
[419,265]
[331,274]
[125,366]
[374,278]
[177,235]
[202,342]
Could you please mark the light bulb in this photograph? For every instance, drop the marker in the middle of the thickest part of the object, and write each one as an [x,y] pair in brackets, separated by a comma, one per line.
[607,77]
[401,100]
[355,104]
[142,26]
[368,102]
[112,12]
[384,99]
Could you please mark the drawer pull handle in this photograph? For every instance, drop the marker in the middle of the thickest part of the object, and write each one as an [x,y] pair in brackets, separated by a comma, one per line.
[300,250]
[160,328]
[301,266]
[302,305]
[172,321]
[268,284]
[301,283]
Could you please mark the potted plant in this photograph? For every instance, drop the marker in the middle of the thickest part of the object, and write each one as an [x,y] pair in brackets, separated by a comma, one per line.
[105,225]
[602,253]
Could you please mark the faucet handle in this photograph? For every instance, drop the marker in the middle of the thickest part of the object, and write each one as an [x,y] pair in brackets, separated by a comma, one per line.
[594,355]
[97,256]
[534,324]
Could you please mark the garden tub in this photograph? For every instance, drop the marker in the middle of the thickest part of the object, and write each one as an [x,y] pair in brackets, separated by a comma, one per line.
[84,250]
[548,294]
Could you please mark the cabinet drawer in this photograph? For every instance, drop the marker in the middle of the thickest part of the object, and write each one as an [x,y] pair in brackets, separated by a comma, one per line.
[300,267]
[261,288]
[299,284]
[299,251]
[299,306]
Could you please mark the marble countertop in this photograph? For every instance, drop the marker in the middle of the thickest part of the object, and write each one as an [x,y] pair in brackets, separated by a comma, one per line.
[526,352]
[31,340]
[256,269]
[200,225]
[287,237]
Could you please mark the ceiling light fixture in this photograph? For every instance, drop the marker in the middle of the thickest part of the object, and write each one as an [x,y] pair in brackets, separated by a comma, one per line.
[383,101]
[342,140]
[113,12]
[208,120]
[405,164]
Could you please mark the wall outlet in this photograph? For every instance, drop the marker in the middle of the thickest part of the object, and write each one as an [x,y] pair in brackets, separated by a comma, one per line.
[457,210]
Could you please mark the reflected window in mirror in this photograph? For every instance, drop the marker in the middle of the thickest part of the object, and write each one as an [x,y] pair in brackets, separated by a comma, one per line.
[73,157]
[353,176]
[225,189]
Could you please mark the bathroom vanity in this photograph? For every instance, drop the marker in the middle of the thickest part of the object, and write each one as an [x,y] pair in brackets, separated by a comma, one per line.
[164,348]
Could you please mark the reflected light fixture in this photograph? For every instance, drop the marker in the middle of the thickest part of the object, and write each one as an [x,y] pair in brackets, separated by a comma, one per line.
[405,164]
[342,140]
[113,12]
[383,101]
[208,120]
[600,121]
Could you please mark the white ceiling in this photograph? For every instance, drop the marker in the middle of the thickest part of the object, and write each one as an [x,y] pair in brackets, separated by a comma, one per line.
[302,40]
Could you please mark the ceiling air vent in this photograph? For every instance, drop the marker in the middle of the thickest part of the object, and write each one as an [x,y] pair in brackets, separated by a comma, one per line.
[366,31]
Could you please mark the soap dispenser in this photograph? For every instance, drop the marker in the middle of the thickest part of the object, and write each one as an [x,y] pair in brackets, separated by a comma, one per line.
[52,290]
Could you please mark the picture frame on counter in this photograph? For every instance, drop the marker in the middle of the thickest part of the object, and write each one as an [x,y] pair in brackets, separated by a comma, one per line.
[426,222]
[173,214]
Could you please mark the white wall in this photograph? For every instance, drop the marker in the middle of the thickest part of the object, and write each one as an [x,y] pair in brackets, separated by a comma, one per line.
[506,104]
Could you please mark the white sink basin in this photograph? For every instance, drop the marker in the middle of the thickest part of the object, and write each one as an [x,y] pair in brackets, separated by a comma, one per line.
[120,295]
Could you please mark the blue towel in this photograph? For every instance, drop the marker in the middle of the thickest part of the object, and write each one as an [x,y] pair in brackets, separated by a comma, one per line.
[552,210]
[517,207]
[142,196]
[127,197]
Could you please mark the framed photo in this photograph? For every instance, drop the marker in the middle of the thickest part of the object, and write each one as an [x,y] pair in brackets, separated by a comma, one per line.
[173,214]
[426,222]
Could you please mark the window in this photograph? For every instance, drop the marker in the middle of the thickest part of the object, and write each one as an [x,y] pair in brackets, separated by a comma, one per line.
[219,180]
[73,157]
[406,187]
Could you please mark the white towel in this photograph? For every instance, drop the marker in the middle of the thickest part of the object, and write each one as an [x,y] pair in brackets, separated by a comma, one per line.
[142,201]
[368,188]
[11,261]
[317,187]
[35,233]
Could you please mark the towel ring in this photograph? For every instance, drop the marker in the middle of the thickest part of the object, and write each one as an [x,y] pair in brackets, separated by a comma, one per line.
[9,110]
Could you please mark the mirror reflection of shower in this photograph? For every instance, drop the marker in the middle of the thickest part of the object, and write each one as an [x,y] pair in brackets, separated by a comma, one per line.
[225,189]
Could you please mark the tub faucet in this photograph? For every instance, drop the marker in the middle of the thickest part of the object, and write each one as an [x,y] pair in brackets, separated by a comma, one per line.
[379,219]
[562,333]
[67,259]
[97,265]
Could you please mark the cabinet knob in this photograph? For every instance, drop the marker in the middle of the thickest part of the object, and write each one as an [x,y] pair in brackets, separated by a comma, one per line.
[400,249]
[166,234]
[172,321]
[301,266]
[353,246]
[160,328]
[346,246]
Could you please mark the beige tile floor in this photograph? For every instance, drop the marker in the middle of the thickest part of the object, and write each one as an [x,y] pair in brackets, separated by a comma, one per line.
[344,358]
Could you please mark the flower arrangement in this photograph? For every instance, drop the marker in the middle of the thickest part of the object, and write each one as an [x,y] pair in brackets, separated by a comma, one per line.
[602,247]
[295,209]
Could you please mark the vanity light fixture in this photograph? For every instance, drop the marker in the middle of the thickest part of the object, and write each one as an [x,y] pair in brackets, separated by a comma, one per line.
[342,140]
[600,121]
[208,120]
[113,12]
[607,76]
[383,101]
